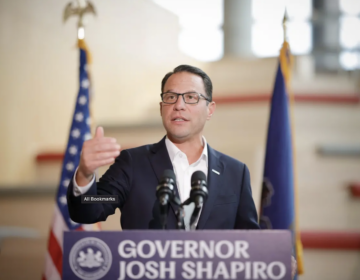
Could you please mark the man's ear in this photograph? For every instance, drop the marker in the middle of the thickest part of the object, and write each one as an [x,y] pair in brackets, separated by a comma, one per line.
[160,108]
[211,109]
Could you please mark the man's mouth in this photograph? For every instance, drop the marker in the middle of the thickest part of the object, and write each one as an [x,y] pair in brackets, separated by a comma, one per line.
[179,120]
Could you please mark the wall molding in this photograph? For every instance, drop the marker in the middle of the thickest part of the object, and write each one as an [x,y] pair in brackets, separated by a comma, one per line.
[331,240]
[299,98]
[355,189]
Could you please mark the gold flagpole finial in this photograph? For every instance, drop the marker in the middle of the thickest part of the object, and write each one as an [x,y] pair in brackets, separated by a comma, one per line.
[83,7]
[285,21]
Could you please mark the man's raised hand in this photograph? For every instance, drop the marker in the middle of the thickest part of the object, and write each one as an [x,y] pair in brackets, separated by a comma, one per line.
[95,153]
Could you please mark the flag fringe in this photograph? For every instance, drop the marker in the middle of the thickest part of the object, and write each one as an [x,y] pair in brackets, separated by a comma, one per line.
[286,62]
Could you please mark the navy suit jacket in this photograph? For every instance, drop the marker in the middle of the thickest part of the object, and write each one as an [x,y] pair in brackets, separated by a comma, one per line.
[135,175]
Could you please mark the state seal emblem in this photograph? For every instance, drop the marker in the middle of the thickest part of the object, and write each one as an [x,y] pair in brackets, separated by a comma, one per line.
[90,258]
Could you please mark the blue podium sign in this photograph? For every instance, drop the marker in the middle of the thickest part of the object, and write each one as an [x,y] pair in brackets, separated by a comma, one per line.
[214,254]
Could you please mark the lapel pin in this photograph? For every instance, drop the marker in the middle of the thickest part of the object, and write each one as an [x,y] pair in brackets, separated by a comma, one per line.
[217,172]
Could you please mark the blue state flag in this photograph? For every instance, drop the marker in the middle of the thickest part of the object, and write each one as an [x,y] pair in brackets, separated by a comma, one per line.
[277,197]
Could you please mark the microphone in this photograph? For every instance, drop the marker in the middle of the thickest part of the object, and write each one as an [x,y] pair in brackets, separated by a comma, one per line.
[198,194]
[165,193]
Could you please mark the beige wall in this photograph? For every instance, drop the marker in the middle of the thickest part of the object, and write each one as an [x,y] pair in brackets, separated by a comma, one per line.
[134,43]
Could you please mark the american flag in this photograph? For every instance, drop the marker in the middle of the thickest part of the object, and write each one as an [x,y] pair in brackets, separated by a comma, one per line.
[79,132]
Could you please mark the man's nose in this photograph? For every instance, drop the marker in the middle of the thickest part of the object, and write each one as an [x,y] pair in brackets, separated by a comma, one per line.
[180,104]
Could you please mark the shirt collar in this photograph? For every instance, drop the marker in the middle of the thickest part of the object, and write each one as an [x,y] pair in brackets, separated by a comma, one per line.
[173,151]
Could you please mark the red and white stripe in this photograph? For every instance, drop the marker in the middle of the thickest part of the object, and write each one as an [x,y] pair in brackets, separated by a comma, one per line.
[54,254]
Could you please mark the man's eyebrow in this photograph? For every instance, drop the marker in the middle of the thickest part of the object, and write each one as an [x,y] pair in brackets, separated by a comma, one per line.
[169,91]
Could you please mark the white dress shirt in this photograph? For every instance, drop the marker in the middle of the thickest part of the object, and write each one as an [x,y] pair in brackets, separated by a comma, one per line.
[183,171]
[81,190]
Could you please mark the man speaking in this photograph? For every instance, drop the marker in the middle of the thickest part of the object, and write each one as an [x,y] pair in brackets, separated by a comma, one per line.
[186,104]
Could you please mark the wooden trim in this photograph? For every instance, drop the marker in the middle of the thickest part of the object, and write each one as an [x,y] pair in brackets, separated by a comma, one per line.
[355,189]
[256,98]
[341,240]
[51,156]
[300,98]
[56,156]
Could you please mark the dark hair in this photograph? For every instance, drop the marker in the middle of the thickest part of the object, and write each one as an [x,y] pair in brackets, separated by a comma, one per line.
[194,70]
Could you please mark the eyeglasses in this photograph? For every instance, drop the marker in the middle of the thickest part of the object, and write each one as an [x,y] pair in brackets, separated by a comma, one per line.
[188,97]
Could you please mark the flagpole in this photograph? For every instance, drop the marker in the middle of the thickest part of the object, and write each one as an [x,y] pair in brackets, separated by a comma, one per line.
[286,61]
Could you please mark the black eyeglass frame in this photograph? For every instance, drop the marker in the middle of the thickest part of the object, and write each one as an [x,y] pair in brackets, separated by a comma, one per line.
[182,94]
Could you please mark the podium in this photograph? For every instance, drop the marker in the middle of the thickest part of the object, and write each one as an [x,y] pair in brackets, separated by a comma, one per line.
[168,254]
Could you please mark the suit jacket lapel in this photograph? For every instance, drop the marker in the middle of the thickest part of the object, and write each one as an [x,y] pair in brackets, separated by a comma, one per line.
[213,184]
[160,161]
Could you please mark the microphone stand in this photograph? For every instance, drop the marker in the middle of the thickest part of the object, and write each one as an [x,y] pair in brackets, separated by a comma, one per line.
[179,213]
[180,218]
[193,223]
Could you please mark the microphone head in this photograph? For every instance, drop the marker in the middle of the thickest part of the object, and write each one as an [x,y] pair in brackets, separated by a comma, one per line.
[198,188]
[168,174]
[166,184]
[165,189]
[198,194]
[198,176]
